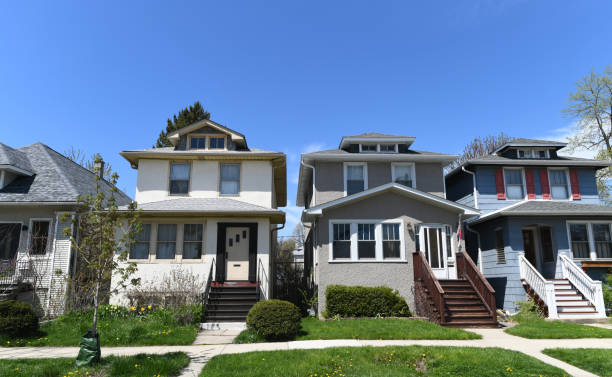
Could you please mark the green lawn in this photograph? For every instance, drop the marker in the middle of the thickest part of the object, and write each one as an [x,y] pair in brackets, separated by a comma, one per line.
[543,329]
[157,328]
[380,362]
[595,360]
[169,364]
[383,328]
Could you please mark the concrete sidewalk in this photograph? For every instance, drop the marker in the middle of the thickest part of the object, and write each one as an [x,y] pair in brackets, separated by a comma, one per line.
[202,353]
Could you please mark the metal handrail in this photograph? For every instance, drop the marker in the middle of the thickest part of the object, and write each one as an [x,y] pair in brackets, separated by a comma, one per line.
[262,281]
[206,294]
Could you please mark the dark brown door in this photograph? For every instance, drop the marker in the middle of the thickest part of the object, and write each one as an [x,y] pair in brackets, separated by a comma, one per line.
[529,246]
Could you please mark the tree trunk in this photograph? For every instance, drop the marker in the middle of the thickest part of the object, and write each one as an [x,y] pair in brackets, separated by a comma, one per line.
[94,326]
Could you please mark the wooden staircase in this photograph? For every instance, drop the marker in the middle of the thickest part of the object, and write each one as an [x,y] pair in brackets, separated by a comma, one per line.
[464,308]
[230,302]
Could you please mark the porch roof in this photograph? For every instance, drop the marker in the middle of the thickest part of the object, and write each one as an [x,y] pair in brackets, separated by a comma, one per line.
[548,208]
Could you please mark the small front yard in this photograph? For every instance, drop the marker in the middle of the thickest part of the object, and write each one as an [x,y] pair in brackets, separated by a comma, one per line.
[383,328]
[534,328]
[380,362]
[170,364]
[154,327]
[595,360]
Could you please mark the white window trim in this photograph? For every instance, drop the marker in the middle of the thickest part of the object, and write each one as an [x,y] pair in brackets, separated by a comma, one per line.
[590,236]
[365,174]
[180,235]
[506,183]
[450,254]
[567,180]
[354,239]
[188,193]
[50,238]
[239,179]
[394,148]
[532,153]
[411,164]
[207,138]
[362,151]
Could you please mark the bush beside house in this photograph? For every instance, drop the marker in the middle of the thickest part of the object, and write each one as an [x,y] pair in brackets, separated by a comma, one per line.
[357,301]
[274,319]
[17,319]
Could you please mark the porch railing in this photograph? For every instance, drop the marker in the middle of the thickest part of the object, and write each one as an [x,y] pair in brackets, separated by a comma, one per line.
[206,294]
[262,281]
[589,288]
[424,274]
[467,269]
[581,249]
[603,249]
[545,289]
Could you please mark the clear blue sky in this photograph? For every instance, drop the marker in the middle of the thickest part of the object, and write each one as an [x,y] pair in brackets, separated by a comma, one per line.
[293,75]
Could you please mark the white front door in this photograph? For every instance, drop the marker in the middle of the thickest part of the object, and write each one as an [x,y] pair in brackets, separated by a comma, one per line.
[237,253]
[433,243]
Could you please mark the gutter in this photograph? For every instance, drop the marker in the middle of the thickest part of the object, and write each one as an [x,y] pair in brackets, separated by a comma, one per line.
[39,203]
[314,177]
[473,184]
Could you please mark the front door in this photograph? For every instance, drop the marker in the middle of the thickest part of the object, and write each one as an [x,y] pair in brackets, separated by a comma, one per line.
[237,253]
[432,241]
[529,246]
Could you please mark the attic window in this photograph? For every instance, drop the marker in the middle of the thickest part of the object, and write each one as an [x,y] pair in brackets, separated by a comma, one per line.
[217,143]
[368,147]
[197,143]
[532,153]
[388,148]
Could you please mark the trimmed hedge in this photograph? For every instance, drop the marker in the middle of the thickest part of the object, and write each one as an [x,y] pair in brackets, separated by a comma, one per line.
[357,301]
[274,319]
[17,319]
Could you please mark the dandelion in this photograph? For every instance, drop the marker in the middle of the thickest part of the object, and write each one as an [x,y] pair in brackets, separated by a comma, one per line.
[133,308]
[142,309]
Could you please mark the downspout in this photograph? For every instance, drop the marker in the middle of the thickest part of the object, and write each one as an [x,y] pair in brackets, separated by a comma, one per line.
[314,177]
[473,185]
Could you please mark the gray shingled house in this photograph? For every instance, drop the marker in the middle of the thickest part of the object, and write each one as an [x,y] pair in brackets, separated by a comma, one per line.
[37,187]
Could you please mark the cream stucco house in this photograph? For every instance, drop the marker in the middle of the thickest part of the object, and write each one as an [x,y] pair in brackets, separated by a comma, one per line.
[208,198]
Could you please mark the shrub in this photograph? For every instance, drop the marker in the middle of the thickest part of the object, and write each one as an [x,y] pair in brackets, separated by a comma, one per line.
[17,319]
[356,301]
[607,292]
[528,311]
[274,319]
[188,314]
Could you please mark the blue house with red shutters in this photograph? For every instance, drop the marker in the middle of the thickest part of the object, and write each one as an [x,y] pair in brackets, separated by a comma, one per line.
[543,231]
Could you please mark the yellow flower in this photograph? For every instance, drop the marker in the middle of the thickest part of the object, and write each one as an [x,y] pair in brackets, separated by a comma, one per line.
[133,308]
[142,309]
[149,307]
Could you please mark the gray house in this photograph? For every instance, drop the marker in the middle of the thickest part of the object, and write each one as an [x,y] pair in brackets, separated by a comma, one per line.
[38,186]
[369,205]
[542,226]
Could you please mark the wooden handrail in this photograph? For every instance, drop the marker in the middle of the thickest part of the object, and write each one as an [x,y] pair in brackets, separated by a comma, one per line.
[423,271]
[466,268]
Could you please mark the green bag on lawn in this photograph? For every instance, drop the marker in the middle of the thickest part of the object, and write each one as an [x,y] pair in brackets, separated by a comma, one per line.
[90,350]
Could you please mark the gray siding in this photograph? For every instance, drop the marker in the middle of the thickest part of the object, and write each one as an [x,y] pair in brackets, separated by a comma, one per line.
[329,181]
[430,178]
[379,173]
[460,188]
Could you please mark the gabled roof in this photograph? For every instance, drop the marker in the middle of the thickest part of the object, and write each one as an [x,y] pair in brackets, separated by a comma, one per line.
[15,160]
[209,207]
[400,189]
[375,137]
[521,142]
[56,179]
[547,208]
[237,137]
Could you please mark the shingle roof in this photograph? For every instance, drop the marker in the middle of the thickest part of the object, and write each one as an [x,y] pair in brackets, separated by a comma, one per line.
[549,208]
[375,135]
[340,152]
[56,179]
[521,140]
[13,157]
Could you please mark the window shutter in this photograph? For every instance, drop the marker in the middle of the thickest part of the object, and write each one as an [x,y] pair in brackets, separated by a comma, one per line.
[499,183]
[530,184]
[575,184]
[544,183]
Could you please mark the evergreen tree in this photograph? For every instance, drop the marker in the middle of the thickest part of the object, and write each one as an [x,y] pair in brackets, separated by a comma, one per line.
[185,117]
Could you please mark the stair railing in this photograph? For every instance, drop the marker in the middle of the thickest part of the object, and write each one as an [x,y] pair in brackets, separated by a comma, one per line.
[467,269]
[588,287]
[206,294]
[262,281]
[424,273]
[545,289]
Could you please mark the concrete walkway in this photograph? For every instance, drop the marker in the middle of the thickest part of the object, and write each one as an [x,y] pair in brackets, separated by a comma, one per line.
[202,353]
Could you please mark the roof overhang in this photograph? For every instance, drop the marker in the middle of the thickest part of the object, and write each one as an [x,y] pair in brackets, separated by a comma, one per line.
[276,217]
[410,192]
[236,137]
[15,169]
[508,211]
[599,164]
[347,140]
[556,145]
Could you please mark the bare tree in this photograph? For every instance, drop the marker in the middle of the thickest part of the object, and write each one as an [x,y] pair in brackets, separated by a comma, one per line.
[298,235]
[80,157]
[480,146]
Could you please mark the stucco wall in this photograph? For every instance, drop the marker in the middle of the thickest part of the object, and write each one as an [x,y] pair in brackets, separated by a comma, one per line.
[255,181]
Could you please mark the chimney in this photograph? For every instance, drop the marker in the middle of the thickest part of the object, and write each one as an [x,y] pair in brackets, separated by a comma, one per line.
[99,167]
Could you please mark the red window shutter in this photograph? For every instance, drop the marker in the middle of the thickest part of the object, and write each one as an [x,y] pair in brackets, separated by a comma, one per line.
[499,183]
[575,184]
[544,183]
[531,194]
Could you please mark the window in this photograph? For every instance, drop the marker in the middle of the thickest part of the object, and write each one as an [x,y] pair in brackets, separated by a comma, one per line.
[603,242]
[547,246]
[523,153]
[391,241]
[197,142]
[216,143]
[140,248]
[368,148]
[179,178]
[342,241]
[230,179]
[192,241]
[388,148]
[514,183]
[366,241]
[166,241]
[449,240]
[402,174]
[541,154]
[558,183]
[9,240]
[580,241]
[532,153]
[39,236]
[500,247]
[355,179]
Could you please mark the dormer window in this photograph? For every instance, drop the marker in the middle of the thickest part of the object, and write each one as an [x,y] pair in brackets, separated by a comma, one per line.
[532,153]
[217,143]
[378,148]
[206,142]
[371,148]
[388,148]
[198,142]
